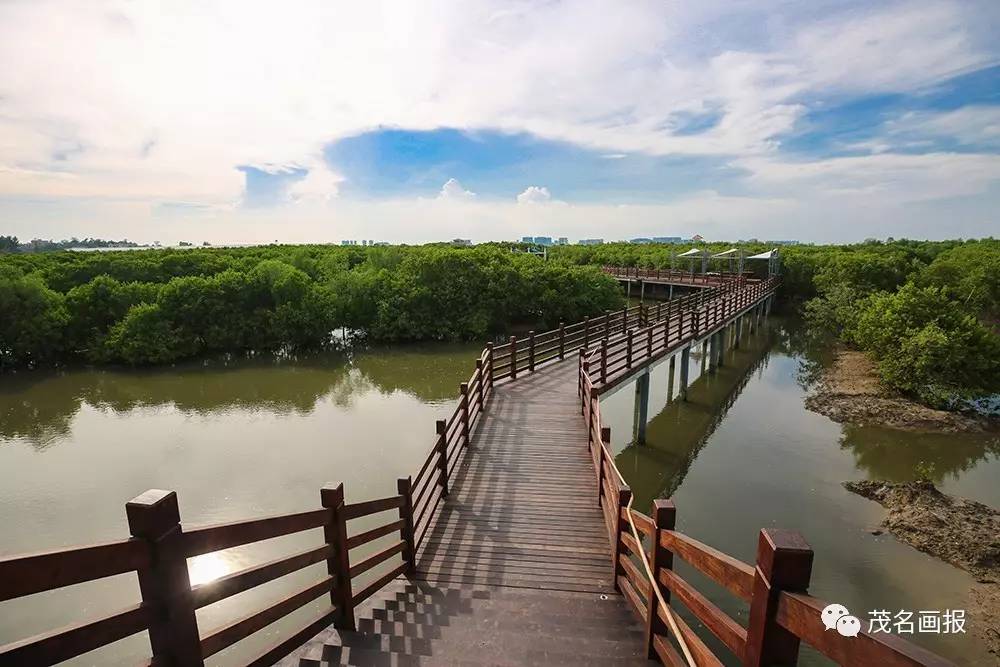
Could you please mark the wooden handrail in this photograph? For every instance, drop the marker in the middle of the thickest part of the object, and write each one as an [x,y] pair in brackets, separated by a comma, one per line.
[784,560]
[610,348]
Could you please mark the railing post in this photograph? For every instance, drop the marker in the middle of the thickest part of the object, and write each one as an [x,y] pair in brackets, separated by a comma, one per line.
[607,324]
[441,427]
[531,351]
[513,357]
[404,488]
[784,563]
[489,364]
[338,563]
[664,518]
[165,586]
[479,393]
[586,332]
[604,361]
[624,496]
[625,318]
[464,391]
[649,342]
[562,341]
[606,440]
[584,367]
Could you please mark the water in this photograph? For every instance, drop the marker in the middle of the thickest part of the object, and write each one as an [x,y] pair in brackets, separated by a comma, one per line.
[744,454]
[234,439]
[244,438]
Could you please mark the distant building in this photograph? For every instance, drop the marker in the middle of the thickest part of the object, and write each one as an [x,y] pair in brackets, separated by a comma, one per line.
[348,242]
[590,242]
[641,240]
[667,239]
[543,240]
[697,238]
[527,239]
[783,242]
[562,241]
[461,242]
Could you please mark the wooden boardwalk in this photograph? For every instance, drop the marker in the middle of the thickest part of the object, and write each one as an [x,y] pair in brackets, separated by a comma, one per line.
[516,542]
[519,513]
[516,567]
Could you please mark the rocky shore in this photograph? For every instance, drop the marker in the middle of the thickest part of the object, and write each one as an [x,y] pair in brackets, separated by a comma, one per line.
[850,392]
[962,532]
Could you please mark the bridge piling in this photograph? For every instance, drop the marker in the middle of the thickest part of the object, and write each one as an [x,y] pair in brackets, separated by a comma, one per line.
[685,371]
[670,378]
[641,411]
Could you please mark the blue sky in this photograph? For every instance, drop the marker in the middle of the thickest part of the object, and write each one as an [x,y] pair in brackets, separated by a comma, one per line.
[825,121]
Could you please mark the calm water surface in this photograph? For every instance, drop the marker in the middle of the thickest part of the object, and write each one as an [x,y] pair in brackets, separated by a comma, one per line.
[743,454]
[252,437]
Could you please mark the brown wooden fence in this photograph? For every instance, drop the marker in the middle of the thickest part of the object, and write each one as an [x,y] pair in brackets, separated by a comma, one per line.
[782,614]
[610,346]
[673,275]
[157,552]
[159,545]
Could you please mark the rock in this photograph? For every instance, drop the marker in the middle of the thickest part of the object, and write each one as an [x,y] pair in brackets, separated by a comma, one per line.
[850,392]
[956,530]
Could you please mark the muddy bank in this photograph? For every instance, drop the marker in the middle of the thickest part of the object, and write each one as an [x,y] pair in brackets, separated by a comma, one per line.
[956,530]
[850,392]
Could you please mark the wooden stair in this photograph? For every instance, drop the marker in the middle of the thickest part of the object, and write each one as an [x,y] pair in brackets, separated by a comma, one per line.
[417,623]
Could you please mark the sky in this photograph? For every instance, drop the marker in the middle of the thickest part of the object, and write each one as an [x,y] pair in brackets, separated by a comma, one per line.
[408,122]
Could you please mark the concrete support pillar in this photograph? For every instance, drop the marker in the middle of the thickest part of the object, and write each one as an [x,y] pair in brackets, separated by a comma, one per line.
[685,372]
[642,292]
[739,332]
[641,407]
[670,378]
[628,288]
[671,291]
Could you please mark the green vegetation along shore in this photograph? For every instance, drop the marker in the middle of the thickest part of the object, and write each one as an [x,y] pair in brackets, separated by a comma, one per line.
[158,306]
[926,312]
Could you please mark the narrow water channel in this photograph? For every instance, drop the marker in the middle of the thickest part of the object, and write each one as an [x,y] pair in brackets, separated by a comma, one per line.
[244,438]
[744,454]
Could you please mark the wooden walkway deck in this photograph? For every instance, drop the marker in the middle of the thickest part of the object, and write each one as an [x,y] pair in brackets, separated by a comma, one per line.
[518,514]
[516,565]
[516,543]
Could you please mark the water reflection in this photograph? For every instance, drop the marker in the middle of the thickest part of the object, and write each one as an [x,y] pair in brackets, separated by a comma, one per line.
[900,456]
[744,453]
[39,407]
[678,433]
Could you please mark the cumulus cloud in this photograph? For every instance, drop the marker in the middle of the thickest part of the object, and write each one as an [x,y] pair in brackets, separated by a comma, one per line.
[453,190]
[534,194]
[146,102]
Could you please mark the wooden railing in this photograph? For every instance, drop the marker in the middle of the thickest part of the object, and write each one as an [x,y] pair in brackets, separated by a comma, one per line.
[157,552]
[159,546]
[781,613]
[672,326]
[672,275]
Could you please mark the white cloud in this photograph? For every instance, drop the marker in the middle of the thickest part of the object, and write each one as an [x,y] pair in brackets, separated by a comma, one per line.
[534,195]
[453,190]
[142,102]
[321,184]
[890,178]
